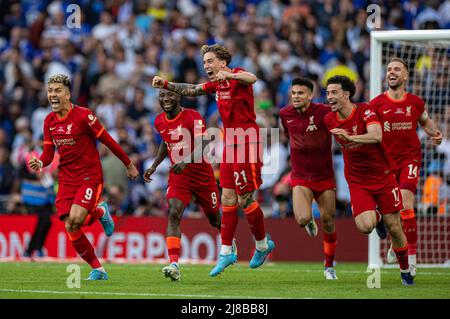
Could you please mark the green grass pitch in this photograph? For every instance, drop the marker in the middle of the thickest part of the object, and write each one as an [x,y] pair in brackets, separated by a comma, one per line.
[273,280]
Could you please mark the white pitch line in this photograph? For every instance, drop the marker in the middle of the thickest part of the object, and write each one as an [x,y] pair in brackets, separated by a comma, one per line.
[141,294]
[419,273]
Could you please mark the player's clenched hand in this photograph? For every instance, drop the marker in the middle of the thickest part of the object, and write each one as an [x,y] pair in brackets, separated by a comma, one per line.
[341,133]
[148,173]
[158,82]
[437,139]
[223,75]
[178,167]
[35,164]
[132,171]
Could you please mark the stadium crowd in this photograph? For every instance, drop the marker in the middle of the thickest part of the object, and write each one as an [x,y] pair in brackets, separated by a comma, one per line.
[120,45]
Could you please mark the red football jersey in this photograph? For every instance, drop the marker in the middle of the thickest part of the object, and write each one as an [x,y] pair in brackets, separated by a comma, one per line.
[235,102]
[310,142]
[179,134]
[365,164]
[399,120]
[75,138]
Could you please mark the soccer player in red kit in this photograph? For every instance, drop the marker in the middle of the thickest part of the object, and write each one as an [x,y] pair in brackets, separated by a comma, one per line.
[240,171]
[182,131]
[399,113]
[74,130]
[373,188]
[310,140]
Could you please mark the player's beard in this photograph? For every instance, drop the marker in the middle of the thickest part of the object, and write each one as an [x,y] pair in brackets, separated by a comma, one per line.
[395,86]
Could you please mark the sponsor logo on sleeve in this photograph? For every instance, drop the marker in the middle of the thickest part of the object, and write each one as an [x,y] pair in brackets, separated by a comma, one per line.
[92,119]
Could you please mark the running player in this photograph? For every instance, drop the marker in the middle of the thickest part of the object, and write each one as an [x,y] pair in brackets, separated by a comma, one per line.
[399,113]
[74,130]
[373,188]
[240,170]
[310,140]
[182,131]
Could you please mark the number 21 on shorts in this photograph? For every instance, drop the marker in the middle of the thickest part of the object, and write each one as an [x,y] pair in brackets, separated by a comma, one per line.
[237,177]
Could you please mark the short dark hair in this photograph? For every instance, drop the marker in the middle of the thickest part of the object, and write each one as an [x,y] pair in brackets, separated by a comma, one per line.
[221,52]
[305,82]
[345,82]
[396,59]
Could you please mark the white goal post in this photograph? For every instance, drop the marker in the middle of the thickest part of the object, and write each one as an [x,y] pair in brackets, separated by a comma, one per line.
[382,42]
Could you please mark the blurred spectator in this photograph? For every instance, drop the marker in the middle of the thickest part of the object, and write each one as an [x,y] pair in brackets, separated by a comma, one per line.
[113,171]
[117,200]
[432,185]
[18,76]
[444,196]
[282,206]
[38,195]
[106,28]
[38,116]
[9,182]
[109,108]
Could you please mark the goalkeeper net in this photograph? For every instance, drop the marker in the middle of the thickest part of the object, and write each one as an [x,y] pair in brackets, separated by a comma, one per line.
[428,60]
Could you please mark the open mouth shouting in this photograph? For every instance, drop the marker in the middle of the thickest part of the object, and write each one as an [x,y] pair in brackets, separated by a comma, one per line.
[333,104]
[210,74]
[55,102]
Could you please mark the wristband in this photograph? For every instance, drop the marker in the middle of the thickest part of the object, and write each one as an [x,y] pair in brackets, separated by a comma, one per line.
[166,84]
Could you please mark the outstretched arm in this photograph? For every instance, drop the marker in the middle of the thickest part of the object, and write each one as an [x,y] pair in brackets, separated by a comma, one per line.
[184,89]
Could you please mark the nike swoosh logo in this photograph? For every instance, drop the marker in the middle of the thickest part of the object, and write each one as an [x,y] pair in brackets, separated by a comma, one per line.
[242,187]
[385,112]
[83,201]
[396,204]
[162,131]
[289,121]
[52,128]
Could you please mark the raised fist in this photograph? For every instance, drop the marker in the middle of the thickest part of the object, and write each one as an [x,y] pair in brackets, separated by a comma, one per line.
[158,82]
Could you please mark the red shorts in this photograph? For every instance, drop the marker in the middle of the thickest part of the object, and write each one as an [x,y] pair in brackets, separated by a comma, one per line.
[206,196]
[408,176]
[317,187]
[86,195]
[387,198]
[243,172]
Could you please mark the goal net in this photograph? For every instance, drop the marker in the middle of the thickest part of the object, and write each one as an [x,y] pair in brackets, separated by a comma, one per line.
[427,53]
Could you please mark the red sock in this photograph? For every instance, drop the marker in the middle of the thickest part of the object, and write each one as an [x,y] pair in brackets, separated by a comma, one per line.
[84,248]
[402,257]
[255,218]
[93,216]
[173,248]
[229,224]
[410,228]
[329,248]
